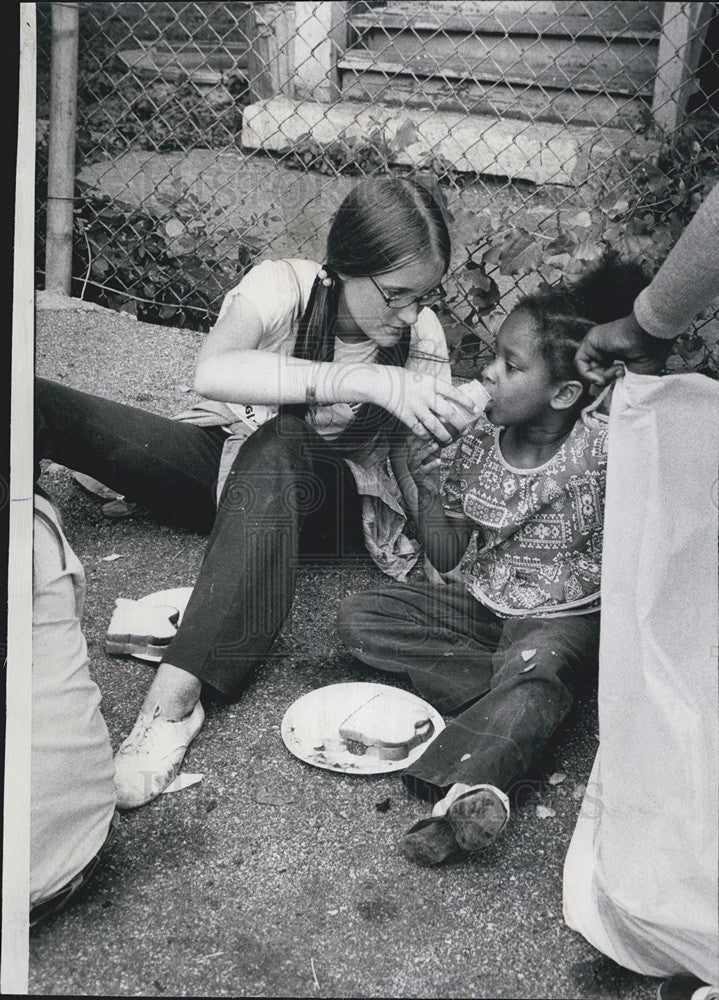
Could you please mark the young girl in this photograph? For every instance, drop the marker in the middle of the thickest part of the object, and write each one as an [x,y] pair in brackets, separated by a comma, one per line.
[309,368]
[520,515]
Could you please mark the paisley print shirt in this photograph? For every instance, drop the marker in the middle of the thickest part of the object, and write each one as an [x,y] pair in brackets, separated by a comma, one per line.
[537,545]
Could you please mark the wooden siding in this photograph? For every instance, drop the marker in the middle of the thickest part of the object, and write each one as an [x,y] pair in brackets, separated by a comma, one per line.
[522,17]
[571,62]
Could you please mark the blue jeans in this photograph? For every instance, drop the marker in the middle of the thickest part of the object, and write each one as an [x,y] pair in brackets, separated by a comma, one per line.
[287,494]
[461,656]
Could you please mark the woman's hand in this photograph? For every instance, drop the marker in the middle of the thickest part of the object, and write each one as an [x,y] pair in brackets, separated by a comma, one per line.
[423,462]
[430,407]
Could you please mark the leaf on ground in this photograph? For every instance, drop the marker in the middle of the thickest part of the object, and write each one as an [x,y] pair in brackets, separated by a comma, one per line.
[182,781]
[527,654]
[589,251]
[465,757]
[578,792]
[111,558]
[174,228]
[618,208]
[557,260]
[581,219]
[407,134]
[527,669]
[521,254]
[561,245]
[544,812]
[269,796]
[557,778]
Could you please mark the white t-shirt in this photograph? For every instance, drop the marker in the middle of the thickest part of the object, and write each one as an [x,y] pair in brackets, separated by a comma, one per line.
[279,291]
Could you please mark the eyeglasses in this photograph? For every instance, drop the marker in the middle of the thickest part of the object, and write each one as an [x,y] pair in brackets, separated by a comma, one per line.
[400,301]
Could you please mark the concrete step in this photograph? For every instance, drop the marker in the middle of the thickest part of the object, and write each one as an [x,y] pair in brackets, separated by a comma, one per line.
[542,152]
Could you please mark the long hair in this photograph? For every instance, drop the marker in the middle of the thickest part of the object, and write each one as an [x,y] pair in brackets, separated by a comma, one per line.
[381,225]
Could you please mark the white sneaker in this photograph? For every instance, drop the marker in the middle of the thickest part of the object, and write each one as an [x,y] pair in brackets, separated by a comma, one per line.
[152,754]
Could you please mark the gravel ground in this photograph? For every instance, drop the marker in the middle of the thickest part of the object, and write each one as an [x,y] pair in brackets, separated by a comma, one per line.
[270,877]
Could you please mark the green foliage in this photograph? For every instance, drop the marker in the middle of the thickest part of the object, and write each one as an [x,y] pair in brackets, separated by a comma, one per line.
[351,154]
[642,215]
[118,111]
[159,116]
[667,186]
[182,263]
[639,206]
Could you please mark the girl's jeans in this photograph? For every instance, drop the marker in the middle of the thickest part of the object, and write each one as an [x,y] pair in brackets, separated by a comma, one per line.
[286,493]
[511,678]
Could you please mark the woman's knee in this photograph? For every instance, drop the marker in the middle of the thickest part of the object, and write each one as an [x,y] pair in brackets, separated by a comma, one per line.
[284,432]
[267,466]
[277,446]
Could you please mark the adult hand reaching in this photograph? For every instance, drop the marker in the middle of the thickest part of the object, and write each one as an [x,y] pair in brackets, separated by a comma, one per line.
[684,285]
[623,340]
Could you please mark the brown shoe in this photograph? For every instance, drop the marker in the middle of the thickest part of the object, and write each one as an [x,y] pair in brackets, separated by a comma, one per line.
[121,509]
[429,842]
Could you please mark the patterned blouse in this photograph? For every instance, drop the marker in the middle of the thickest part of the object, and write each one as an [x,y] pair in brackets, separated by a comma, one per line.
[537,545]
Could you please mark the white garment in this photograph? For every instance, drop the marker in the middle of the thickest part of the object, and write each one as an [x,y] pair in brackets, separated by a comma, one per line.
[72,791]
[279,291]
[640,878]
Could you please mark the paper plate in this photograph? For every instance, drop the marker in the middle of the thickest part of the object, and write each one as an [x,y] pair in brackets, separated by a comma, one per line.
[176,598]
[310,728]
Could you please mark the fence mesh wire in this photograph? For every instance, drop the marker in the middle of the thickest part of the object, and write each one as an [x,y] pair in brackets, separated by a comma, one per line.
[212,135]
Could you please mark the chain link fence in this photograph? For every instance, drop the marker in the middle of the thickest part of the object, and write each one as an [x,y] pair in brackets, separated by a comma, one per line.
[212,135]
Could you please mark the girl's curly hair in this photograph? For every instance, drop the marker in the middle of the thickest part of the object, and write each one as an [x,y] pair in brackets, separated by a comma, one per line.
[563,313]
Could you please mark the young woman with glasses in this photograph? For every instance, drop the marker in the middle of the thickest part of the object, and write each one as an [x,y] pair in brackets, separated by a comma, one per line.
[312,376]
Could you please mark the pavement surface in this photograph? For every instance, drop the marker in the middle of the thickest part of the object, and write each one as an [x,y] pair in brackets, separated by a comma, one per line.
[271,877]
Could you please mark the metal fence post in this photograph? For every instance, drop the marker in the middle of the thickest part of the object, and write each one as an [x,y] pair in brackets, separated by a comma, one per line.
[61,147]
